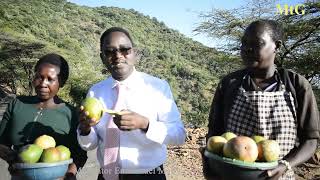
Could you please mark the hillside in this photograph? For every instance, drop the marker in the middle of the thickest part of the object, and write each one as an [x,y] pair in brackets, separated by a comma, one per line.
[29,29]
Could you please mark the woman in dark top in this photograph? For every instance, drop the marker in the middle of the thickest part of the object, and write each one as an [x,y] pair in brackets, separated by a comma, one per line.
[28,117]
[265,100]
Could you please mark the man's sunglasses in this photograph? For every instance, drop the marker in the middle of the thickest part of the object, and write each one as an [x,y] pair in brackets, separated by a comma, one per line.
[122,50]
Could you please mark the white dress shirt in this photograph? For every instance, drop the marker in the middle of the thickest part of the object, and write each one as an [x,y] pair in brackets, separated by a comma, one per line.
[148,96]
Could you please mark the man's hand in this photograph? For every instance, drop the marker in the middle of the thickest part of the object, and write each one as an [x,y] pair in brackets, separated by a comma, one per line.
[84,122]
[129,120]
[277,172]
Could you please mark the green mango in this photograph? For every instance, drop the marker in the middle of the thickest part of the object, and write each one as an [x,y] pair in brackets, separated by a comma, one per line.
[30,153]
[258,138]
[94,107]
[228,135]
[50,155]
[65,153]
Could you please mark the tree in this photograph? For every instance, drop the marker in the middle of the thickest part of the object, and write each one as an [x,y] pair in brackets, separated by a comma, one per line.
[17,59]
[301,48]
[230,24]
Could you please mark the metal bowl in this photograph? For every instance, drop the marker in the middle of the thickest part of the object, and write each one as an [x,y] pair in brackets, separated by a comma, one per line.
[42,171]
[231,169]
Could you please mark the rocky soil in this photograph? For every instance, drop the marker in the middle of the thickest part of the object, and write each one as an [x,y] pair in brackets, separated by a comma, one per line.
[184,162]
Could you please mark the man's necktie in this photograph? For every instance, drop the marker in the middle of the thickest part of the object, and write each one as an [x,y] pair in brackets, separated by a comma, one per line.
[111,154]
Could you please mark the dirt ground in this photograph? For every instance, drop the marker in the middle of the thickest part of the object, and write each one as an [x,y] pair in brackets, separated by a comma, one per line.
[184,162]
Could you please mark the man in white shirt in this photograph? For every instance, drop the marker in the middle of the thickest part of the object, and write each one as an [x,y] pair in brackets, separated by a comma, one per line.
[150,119]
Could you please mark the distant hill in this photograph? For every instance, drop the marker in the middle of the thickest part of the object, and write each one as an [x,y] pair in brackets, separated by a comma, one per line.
[29,29]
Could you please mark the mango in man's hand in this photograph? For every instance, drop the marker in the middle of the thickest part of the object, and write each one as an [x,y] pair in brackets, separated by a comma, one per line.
[94,108]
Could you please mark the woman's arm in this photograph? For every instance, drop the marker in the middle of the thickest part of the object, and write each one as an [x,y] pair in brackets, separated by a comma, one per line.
[71,172]
[78,155]
[215,127]
[216,124]
[308,127]
[7,154]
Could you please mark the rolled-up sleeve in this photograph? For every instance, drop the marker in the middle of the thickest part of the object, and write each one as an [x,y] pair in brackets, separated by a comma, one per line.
[307,113]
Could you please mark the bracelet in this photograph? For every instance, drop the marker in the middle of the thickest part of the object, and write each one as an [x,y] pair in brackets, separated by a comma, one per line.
[286,163]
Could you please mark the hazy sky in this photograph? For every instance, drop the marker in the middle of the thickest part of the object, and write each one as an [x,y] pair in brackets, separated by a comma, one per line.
[181,15]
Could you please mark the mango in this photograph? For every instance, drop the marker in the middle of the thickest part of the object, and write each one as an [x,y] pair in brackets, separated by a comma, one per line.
[45,141]
[65,153]
[50,155]
[30,153]
[94,108]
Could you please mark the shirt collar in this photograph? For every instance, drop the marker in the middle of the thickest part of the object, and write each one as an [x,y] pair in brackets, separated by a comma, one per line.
[129,82]
[249,84]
